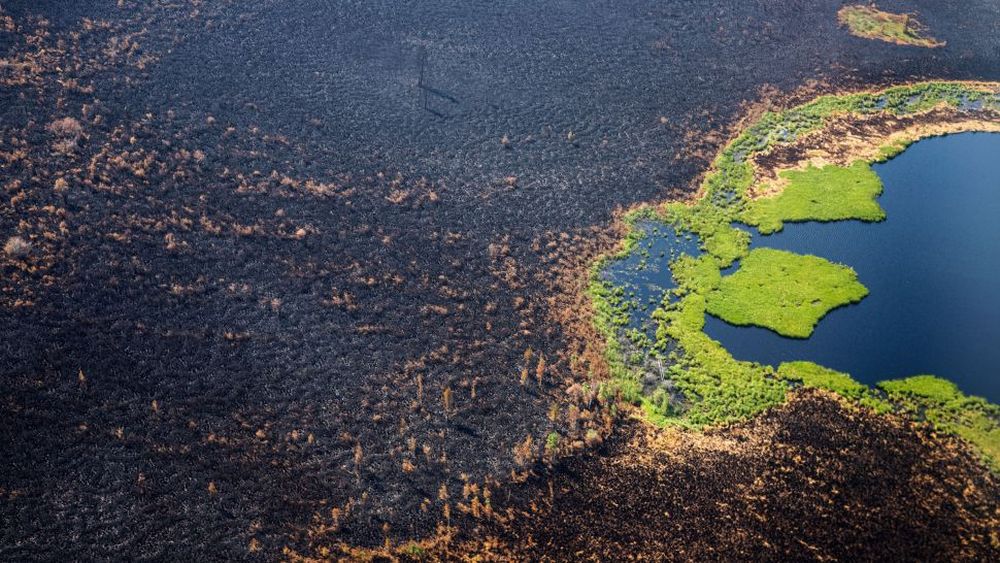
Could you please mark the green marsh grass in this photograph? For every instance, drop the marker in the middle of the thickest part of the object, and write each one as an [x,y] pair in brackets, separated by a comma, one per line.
[710,387]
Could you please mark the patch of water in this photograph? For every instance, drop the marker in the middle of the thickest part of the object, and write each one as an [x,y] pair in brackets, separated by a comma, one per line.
[645,273]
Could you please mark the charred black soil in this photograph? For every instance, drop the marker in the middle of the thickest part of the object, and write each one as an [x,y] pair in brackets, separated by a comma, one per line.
[811,480]
[281,274]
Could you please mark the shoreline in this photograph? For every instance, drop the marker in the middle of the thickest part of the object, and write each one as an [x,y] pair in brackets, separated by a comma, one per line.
[831,130]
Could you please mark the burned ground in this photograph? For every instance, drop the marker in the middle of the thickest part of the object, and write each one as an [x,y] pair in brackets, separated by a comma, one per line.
[811,480]
[270,247]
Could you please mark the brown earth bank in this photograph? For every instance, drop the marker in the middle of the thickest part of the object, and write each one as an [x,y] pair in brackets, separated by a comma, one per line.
[259,295]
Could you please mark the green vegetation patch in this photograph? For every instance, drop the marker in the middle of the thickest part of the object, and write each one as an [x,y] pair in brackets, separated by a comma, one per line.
[727,390]
[871,23]
[830,193]
[940,402]
[817,376]
[786,292]
[681,376]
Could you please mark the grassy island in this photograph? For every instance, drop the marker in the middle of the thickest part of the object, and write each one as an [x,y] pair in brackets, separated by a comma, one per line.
[786,292]
[700,383]
[871,23]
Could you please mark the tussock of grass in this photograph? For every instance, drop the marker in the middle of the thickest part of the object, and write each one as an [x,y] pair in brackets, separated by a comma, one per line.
[17,247]
[871,23]
[830,193]
[786,292]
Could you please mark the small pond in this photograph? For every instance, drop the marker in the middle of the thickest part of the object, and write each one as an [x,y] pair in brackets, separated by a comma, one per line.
[644,274]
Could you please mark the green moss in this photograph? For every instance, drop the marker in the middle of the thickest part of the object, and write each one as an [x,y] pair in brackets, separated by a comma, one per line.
[715,388]
[872,23]
[785,292]
[830,193]
[940,402]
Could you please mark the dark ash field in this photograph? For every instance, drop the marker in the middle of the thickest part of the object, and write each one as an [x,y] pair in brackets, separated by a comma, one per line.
[297,278]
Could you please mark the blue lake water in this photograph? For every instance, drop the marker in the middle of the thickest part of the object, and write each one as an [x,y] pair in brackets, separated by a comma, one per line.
[932,268]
